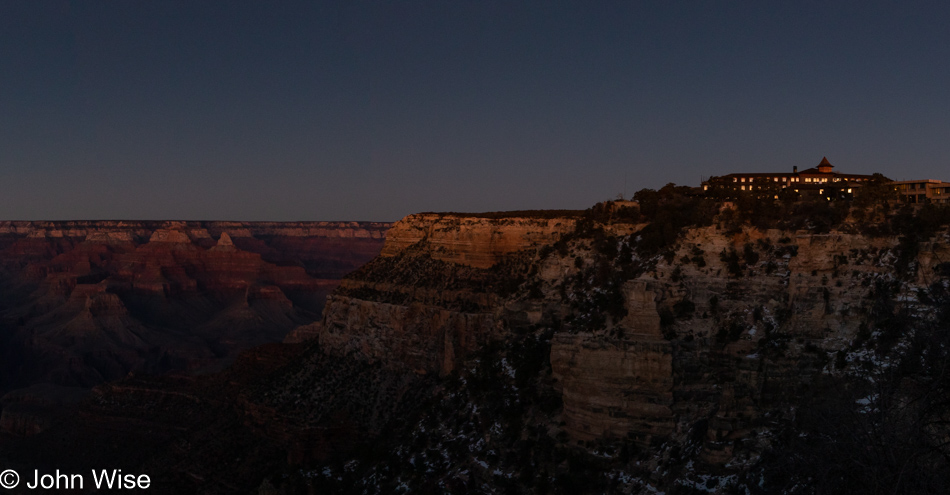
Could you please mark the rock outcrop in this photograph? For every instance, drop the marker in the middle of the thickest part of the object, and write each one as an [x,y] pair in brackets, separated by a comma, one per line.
[473,240]
[724,328]
[434,295]
[615,388]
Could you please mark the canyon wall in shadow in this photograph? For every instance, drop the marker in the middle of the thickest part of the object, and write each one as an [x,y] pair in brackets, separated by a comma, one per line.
[82,302]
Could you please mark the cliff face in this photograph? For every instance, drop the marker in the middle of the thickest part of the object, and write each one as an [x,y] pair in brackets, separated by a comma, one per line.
[733,345]
[83,302]
[618,387]
[706,344]
[436,292]
[473,241]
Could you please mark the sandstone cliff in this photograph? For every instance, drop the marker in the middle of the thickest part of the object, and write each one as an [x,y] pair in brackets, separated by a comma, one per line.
[436,292]
[474,241]
[706,343]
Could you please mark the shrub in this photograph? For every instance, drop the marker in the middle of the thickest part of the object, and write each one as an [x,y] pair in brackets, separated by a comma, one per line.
[730,332]
[731,259]
[714,304]
[749,254]
[666,317]
[669,211]
[684,308]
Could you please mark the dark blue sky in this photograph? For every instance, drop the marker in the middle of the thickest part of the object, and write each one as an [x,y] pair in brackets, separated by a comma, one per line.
[374,110]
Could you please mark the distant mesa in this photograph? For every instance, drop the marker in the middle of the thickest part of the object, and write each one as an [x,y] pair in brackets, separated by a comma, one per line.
[199,234]
[170,236]
[109,237]
[224,243]
[225,240]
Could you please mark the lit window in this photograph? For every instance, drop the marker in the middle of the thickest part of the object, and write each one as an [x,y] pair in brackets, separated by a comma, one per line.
[734,179]
[776,179]
[743,179]
[807,179]
[743,188]
[849,191]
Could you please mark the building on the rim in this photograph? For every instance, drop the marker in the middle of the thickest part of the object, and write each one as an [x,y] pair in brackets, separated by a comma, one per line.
[815,181]
[923,191]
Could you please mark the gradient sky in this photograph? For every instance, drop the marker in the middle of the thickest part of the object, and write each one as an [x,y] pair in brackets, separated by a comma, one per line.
[285,110]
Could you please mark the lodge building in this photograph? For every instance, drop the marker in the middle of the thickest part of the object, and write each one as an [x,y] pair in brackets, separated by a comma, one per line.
[820,180]
[923,191]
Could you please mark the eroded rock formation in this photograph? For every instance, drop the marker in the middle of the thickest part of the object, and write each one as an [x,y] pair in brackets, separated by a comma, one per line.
[593,352]
[714,339]
[474,241]
[83,302]
[436,293]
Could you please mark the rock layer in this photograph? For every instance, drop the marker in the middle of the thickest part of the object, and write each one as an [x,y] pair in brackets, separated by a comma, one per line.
[471,240]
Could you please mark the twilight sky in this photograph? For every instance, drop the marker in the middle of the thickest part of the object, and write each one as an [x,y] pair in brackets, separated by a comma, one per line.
[241,110]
